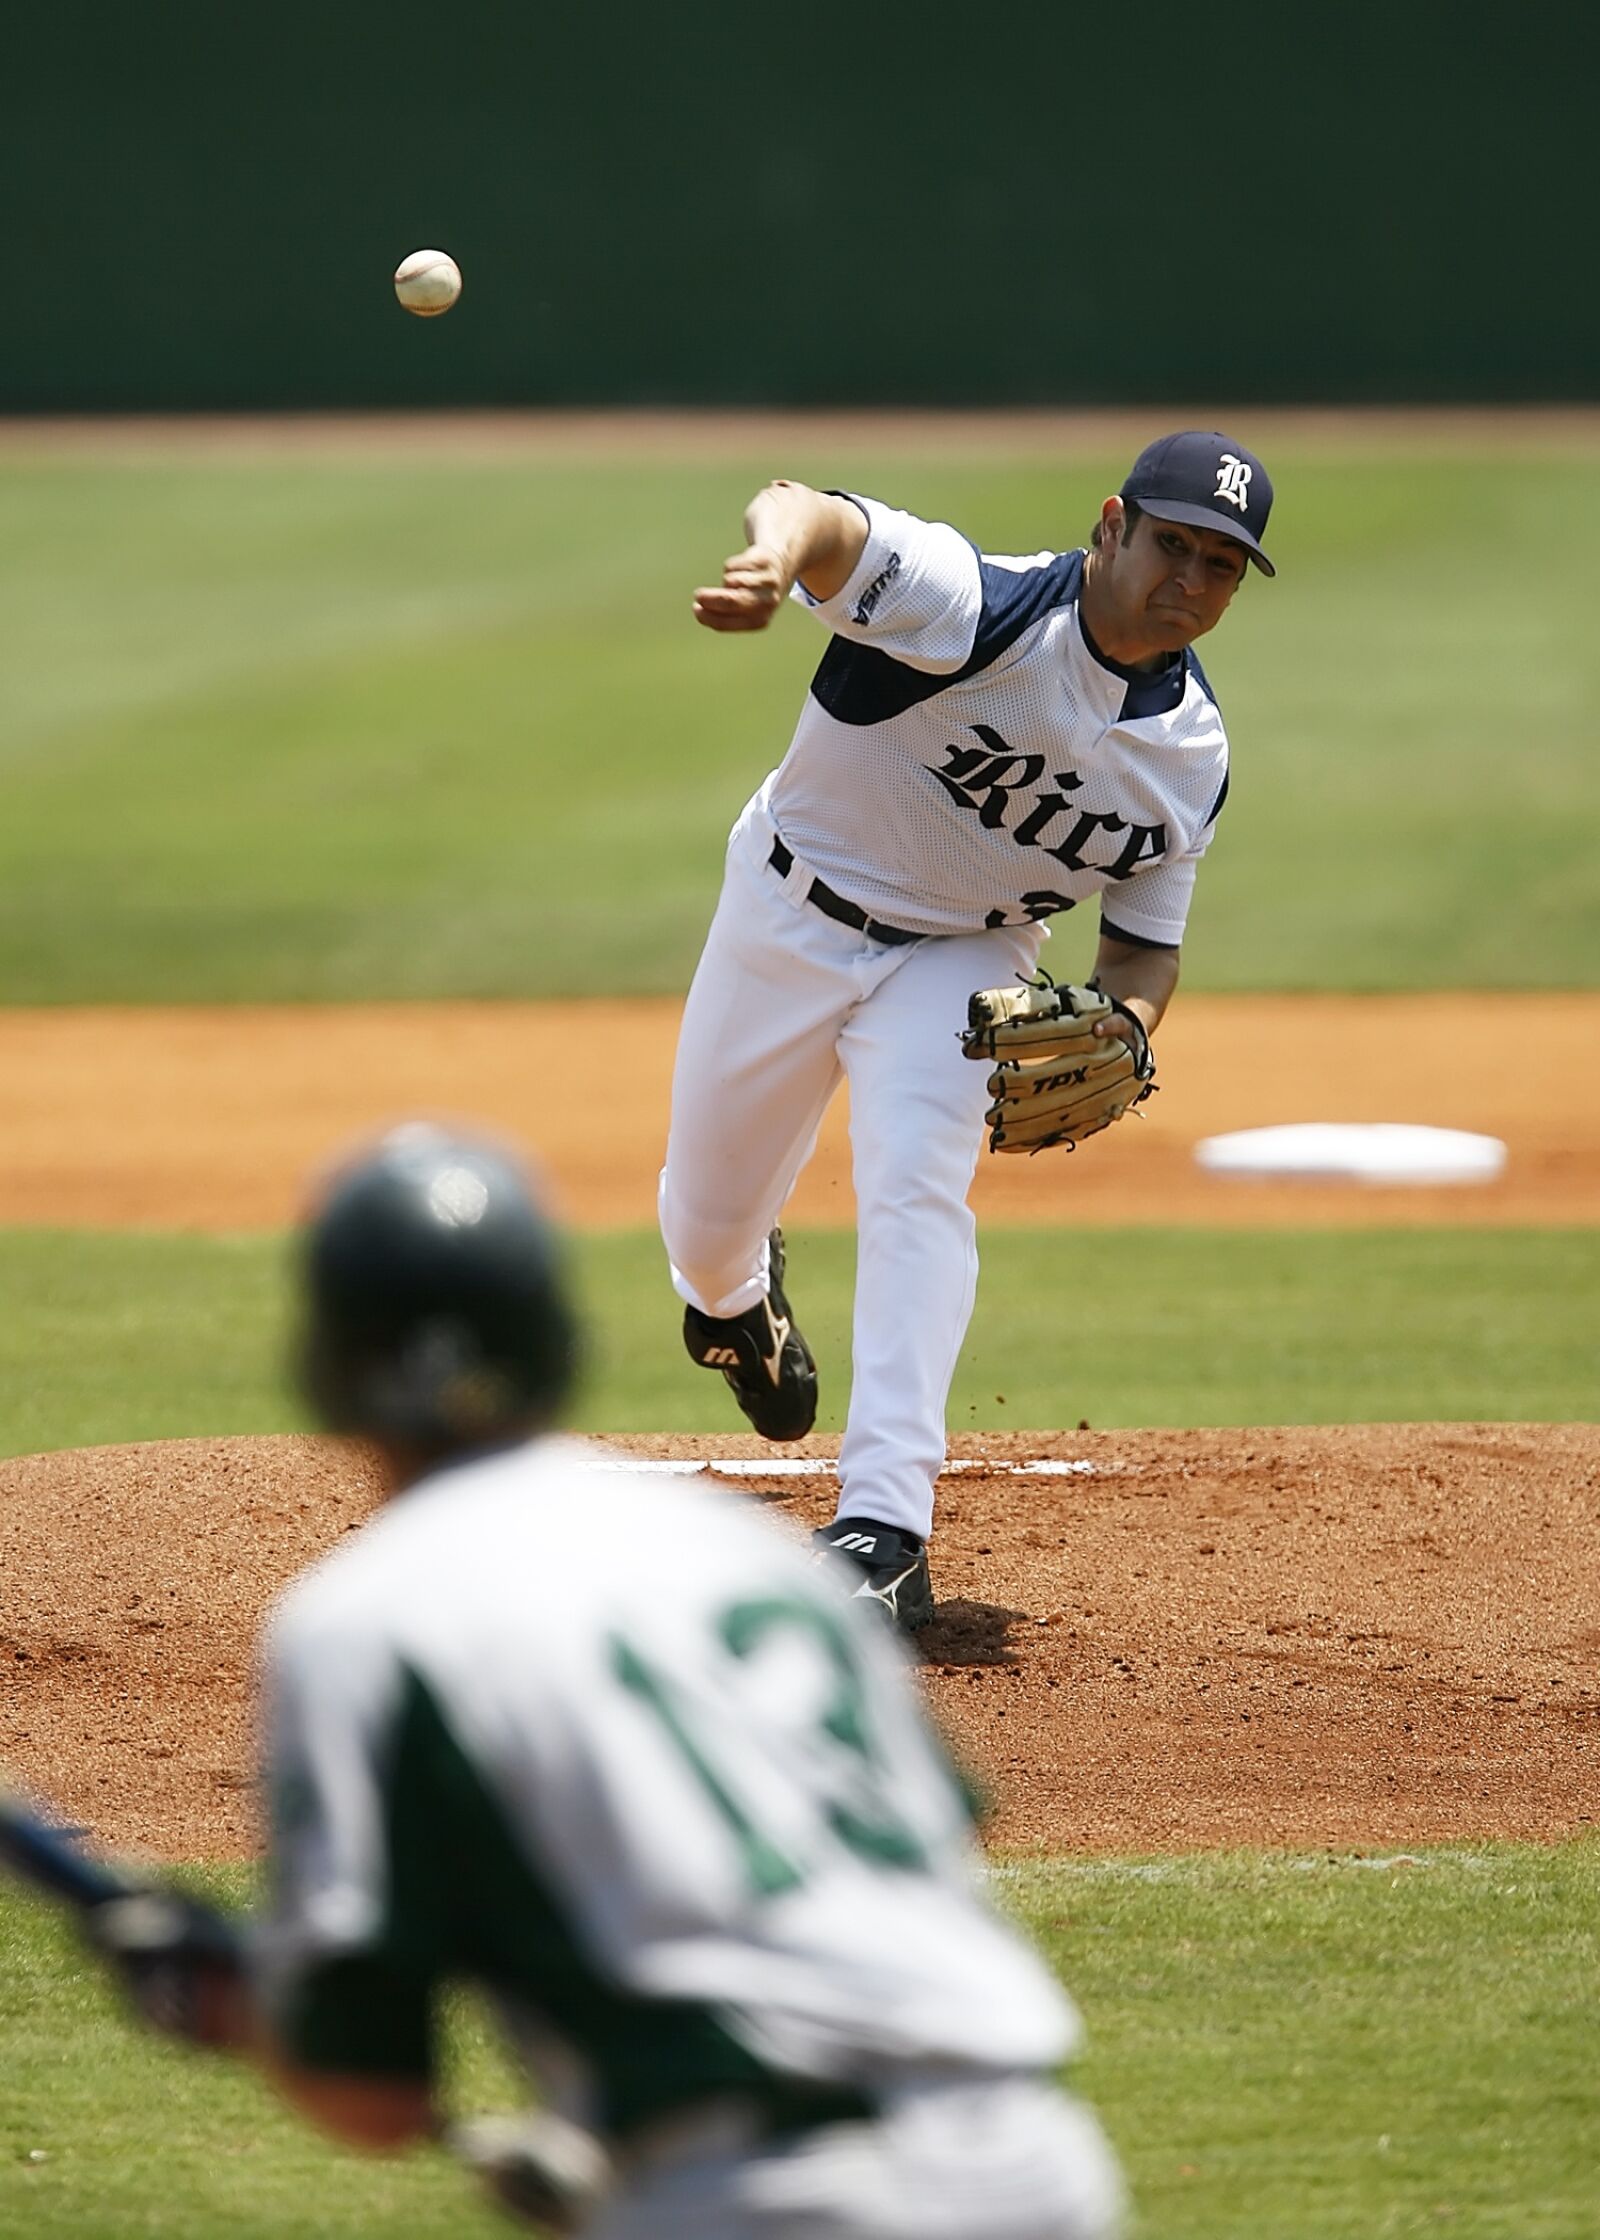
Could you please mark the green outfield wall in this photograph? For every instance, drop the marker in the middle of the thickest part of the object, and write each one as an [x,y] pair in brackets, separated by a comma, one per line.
[936,204]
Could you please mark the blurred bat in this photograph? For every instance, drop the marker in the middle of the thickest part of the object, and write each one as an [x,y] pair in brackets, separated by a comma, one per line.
[180,1959]
[45,1855]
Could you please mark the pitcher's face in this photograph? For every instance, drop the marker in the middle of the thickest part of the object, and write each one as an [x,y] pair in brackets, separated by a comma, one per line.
[1165,582]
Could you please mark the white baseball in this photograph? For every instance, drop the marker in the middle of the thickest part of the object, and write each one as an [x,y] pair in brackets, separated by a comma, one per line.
[427,282]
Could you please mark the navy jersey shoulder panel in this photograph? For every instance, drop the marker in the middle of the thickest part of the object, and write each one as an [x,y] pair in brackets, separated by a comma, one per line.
[1204,682]
[1201,679]
[1014,599]
[861,684]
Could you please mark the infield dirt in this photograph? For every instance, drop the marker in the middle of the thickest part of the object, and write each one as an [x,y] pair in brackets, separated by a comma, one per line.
[1369,1636]
[213,1118]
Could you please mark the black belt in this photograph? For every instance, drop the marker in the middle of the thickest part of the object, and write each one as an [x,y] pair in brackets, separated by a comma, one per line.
[835,906]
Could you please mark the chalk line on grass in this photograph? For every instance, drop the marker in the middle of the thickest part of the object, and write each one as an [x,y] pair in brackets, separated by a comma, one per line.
[1202,1867]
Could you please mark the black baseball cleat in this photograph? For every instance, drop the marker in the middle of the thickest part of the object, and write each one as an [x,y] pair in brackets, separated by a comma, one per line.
[893,1567]
[762,1355]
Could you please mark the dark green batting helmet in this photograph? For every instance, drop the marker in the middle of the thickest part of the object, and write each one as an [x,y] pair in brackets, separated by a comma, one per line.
[437,1310]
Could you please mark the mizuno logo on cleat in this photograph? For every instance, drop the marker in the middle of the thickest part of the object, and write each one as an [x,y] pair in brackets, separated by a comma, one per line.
[780,1338]
[721,1357]
[886,1591]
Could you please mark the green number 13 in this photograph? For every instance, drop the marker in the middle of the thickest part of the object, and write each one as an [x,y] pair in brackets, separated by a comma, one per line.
[857,1812]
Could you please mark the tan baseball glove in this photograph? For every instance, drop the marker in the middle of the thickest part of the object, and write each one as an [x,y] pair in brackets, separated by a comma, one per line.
[1054,1081]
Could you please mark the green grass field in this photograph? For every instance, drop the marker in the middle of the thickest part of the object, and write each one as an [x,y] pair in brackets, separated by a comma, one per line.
[412,727]
[108,1338]
[402,726]
[1316,2047]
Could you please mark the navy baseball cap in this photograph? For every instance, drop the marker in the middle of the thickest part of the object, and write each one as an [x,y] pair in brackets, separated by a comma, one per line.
[1208,481]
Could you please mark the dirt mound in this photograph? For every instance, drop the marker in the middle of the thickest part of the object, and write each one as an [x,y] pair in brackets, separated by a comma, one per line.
[1373,1635]
[132,1582]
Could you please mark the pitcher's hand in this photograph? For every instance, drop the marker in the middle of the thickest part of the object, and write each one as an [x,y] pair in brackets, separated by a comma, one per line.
[754,585]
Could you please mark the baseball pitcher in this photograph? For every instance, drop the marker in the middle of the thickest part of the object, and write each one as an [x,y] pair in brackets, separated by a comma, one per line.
[987,743]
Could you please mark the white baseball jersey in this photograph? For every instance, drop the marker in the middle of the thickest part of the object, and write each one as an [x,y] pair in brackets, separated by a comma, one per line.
[967,757]
[617,1748]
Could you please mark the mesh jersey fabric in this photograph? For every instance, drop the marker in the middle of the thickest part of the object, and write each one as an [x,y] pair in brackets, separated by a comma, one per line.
[966,758]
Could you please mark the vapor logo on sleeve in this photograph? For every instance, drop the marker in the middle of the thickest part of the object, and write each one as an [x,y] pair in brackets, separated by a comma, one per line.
[866,605]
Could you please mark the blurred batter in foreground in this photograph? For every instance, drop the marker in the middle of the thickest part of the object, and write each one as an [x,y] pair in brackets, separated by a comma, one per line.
[621,1753]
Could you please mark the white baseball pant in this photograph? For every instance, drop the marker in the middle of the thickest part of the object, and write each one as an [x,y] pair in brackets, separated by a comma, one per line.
[785,1004]
[1007,2160]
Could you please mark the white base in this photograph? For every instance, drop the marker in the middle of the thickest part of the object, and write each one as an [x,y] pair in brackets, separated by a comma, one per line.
[1381,1151]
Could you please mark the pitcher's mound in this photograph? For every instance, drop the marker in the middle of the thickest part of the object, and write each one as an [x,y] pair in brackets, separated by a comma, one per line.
[1380,1634]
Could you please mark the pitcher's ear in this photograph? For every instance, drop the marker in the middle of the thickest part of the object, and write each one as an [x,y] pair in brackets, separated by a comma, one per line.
[1111,526]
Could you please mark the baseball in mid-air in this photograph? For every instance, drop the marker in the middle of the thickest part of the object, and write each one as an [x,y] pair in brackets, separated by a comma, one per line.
[427,282]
